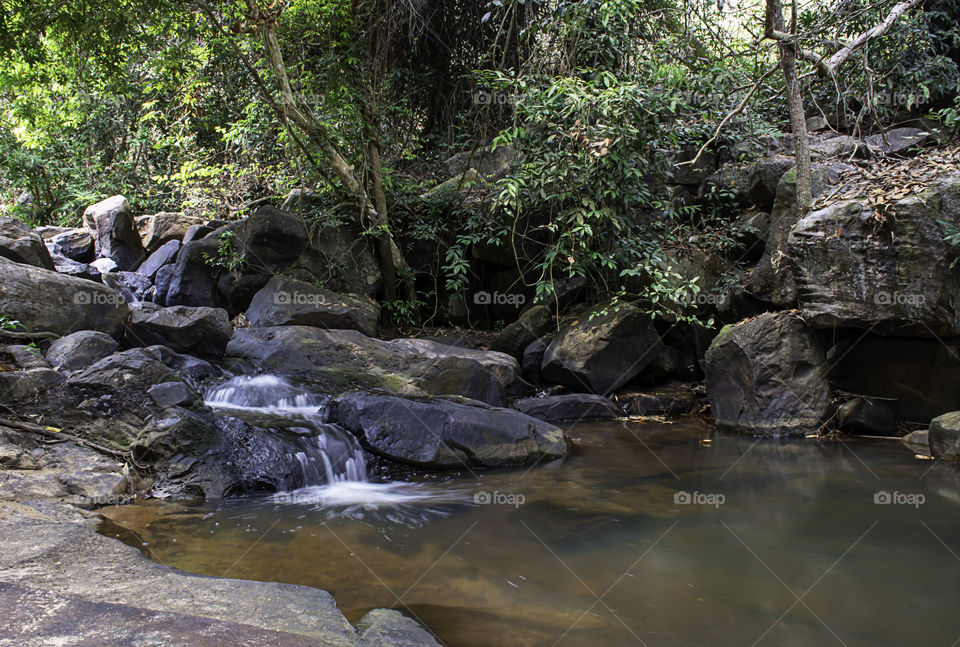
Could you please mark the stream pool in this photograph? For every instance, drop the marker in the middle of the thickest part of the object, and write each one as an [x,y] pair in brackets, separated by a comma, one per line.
[652,533]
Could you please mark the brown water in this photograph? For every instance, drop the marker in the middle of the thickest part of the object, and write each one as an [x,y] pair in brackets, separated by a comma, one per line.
[783,544]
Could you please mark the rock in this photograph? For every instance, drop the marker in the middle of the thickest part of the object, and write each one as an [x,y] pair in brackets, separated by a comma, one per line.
[390,628]
[27,386]
[533,359]
[239,287]
[767,376]
[132,287]
[124,598]
[895,280]
[80,349]
[160,228]
[867,417]
[195,330]
[285,302]
[191,281]
[20,244]
[451,190]
[897,141]
[271,238]
[162,283]
[169,394]
[919,378]
[165,254]
[114,232]
[490,164]
[835,146]
[919,439]
[64,265]
[440,433]
[515,338]
[43,300]
[681,171]
[765,177]
[575,406]
[817,122]
[75,244]
[340,359]
[104,265]
[944,437]
[26,356]
[772,280]
[602,353]
[196,232]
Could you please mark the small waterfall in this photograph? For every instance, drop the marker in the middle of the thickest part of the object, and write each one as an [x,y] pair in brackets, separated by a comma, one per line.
[321,453]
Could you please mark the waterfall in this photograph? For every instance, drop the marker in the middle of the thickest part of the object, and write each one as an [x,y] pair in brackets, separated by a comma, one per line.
[320,453]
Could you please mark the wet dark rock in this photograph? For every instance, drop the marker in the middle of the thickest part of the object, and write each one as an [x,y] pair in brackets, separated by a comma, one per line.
[192,282]
[169,394]
[767,376]
[531,324]
[271,238]
[867,416]
[533,359]
[574,406]
[132,286]
[442,433]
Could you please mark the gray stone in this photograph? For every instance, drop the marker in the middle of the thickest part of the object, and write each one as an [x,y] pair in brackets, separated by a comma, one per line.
[198,331]
[21,244]
[160,228]
[602,350]
[75,244]
[169,394]
[767,376]
[43,300]
[165,254]
[897,141]
[390,628]
[104,265]
[114,233]
[80,349]
[442,433]
[531,324]
[286,302]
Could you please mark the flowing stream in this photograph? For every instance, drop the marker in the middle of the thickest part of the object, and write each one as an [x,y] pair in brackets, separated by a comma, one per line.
[653,533]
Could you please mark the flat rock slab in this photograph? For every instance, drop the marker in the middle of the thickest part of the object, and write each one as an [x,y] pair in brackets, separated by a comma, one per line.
[574,406]
[41,618]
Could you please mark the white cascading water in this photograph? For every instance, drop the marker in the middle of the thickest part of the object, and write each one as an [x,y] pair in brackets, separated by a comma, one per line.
[325,453]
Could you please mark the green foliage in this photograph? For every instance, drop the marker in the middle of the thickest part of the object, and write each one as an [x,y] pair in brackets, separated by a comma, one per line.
[227,258]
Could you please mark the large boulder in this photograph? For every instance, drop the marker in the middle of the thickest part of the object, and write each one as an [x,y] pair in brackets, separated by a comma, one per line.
[21,244]
[441,433]
[80,349]
[767,376]
[43,300]
[191,282]
[114,232]
[772,280]
[337,255]
[342,359]
[286,302]
[532,324]
[603,350]
[944,437]
[195,330]
[160,228]
[271,238]
[897,141]
[893,278]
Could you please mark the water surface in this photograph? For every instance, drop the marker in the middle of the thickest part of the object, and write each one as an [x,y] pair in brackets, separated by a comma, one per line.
[649,533]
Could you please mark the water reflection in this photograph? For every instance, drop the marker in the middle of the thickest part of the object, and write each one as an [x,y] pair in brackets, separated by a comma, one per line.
[626,518]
